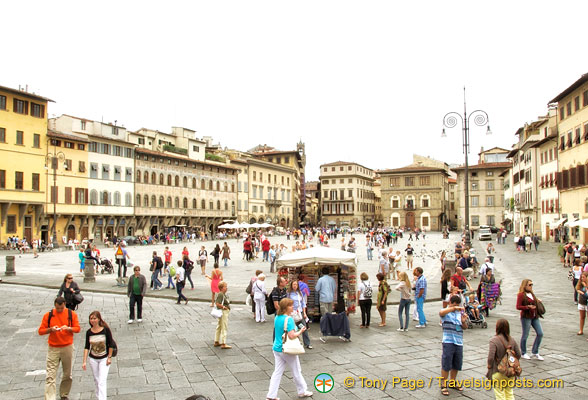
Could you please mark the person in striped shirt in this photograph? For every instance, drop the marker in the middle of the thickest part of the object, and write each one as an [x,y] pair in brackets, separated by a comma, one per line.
[454,321]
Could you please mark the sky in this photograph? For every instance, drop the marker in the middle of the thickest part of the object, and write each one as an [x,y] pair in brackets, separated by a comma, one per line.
[361,81]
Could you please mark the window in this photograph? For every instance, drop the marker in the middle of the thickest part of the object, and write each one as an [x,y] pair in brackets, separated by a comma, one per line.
[128,152]
[80,195]
[2,135]
[169,202]
[105,171]
[128,174]
[490,201]
[169,181]
[20,106]
[475,220]
[138,201]
[68,145]
[561,113]
[425,220]
[569,108]
[489,185]
[93,197]
[36,140]
[117,199]
[425,202]
[490,220]
[105,198]
[475,185]
[185,202]
[67,195]
[67,165]
[261,176]
[35,182]
[475,201]
[177,181]
[2,102]
[2,179]
[194,203]
[105,148]
[409,181]
[196,148]
[578,137]
[584,101]
[425,181]
[19,137]
[37,110]
[93,147]
[83,125]
[576,103]
[18,180]
[11,224]
[177,203]
[203,204]
[211,205]
[489,173]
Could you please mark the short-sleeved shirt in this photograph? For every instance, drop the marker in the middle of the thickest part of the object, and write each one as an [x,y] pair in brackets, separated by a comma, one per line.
[421,283]
[409,251]
[452,331]
[279,330]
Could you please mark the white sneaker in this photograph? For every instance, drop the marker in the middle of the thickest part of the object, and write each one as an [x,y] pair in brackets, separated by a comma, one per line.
[139,320]
[526,357]
[130,321]
[538,357]
[305,394]
[400,330]
[406,330]
[420,326]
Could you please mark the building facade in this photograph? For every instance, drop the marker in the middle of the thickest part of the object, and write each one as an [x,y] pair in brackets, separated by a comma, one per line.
[572,176]
[23,150]
[347,194]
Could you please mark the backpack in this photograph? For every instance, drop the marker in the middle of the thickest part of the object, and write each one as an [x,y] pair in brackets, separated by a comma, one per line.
[269,303]
[69,318]
[509,365]
[189,265]
[367,293]
[159,263]
[172,271]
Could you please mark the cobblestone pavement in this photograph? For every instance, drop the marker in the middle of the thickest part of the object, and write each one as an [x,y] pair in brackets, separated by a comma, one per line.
[170,355]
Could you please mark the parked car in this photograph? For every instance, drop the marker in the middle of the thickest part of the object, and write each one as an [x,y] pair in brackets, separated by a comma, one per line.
[484,233]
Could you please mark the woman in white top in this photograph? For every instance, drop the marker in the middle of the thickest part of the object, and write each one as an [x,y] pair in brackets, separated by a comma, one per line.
[405,289]
[364,296]
[397,262]
[259,293]
[577,269]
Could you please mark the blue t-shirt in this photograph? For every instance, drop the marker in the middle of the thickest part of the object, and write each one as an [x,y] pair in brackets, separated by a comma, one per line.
[452,331]
[279,330]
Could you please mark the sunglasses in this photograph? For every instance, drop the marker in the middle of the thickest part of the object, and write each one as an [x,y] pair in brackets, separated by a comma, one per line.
[530,284]
[70,279]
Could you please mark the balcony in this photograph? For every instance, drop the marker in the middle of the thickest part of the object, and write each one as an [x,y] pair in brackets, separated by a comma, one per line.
[525,206]
[273,203]
[409,207]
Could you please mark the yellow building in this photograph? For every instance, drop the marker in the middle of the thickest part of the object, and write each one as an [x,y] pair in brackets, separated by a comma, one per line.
[23,146]
[67,186]
[572,175]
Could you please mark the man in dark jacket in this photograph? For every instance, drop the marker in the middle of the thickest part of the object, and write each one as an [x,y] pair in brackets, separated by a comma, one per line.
[136,290]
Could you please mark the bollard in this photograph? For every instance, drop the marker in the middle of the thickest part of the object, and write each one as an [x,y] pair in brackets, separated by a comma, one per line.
[10,266]
[89,271]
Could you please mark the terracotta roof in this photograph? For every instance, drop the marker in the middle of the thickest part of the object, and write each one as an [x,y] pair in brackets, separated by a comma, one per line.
[67,136]
[311,185]
[25,94]
[583,79]
[451,180]
[180,157]
[485,166]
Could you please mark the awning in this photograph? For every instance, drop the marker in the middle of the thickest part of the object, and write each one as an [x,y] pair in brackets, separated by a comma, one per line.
[571,224]
[317,256]
[558,223]
[581,223]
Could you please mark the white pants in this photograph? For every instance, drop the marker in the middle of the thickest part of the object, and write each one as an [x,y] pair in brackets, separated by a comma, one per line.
[100,372]
[260,309]
[293,363]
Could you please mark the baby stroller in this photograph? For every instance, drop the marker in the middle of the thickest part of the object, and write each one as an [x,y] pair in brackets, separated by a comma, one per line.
[472,319]
[106,266]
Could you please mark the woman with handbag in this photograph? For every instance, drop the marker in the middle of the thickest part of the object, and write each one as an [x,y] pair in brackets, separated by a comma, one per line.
[527,304]
[496,352]
[284,329]
[299,313]
[223,303]
[99,346]
[69,289]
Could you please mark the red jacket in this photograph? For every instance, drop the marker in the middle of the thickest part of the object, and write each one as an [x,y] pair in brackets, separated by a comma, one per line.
[523,302]
[265,245]
[247,245]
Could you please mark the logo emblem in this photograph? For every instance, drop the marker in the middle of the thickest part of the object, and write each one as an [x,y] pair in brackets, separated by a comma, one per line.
[324,383]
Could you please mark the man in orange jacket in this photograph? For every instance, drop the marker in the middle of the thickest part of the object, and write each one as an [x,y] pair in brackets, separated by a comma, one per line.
[60,324]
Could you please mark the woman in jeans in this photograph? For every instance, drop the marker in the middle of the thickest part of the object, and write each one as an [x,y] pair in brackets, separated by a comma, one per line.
[527,304]
[299,310]
[364,296]
[405,289]
[286,307]
[99,346]
[497,350]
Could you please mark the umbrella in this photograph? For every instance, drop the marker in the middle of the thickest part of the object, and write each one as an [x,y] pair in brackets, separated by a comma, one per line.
[255,225]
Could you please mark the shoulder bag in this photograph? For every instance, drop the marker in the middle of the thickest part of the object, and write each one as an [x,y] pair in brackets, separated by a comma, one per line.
[540,308]
[290,346]
[217,312]
[509,365]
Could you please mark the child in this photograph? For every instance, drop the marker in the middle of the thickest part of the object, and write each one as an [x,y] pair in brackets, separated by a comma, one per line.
[473,305]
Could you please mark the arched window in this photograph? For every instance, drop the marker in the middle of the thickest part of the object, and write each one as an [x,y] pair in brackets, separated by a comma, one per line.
[138,176]
[203,204]
[129,199]
[177,181]
[395,203]
[104,198]
[185,202]
[185,182]
[161,202]
[93,197]
[217,205]
[193,183]
[169,202]
[117,198]
[194,203]
[169,180]
[146,177]
[210,185]
[425,201]
[160,179]
[177,203]
[202,184]
[153,201]
[138,200]
[226,187]
[232,187]
[226,205]
[409,202]
[218,186]
[146,201]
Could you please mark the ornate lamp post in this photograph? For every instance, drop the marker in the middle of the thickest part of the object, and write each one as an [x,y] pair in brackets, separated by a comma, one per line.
[54,159]
[450,120]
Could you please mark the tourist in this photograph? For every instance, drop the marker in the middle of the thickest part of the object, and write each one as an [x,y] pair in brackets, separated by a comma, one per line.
[222,302]
[69,289]
[364,296]
[60,325]
[383,290]
[226,254]
[420,296]
[409,255]
[499,343]
[283,319]
[215,253]
[188,267]
[265,247]
[259,297]
[99,347]
[527,304]
[136,289]
[202,259]
[326,291]
[279,292]
[454,321]
[581,289]
[299,310]
[215,278]
[156,267]
[577,271]
[446,287]
[384,265]
[181,282]
[405,289]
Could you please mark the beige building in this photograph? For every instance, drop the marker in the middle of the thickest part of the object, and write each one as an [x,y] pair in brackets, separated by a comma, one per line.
[453,203]
[416,196]
[572,176]
[347,194]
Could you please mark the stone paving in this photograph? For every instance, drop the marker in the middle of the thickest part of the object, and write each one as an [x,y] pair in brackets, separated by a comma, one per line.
[170,355]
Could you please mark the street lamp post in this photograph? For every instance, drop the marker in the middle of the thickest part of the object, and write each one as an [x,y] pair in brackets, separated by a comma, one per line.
[55,159]
[450,120]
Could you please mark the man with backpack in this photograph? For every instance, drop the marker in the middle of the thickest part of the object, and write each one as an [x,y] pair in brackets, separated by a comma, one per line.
[60,324]
[156,267]
[454,321]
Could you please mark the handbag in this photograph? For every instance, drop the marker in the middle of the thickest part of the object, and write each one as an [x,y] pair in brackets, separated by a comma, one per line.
[571,274]
[290,346]
[216,313]
[78,298]
[540,309]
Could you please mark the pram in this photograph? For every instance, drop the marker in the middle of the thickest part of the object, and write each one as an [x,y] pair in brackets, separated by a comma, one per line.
[489,296]
[106,266]
[472,320]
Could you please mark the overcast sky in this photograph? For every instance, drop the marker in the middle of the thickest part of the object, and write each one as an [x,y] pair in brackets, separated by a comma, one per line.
[363,81]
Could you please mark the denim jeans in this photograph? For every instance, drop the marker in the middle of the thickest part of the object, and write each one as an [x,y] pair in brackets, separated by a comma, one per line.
[156,282]
[404,306]
[179,288]
[170,281]
[266,255]
[370,254]
[225,261]
[420,302]
[536,324]
[138,300]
